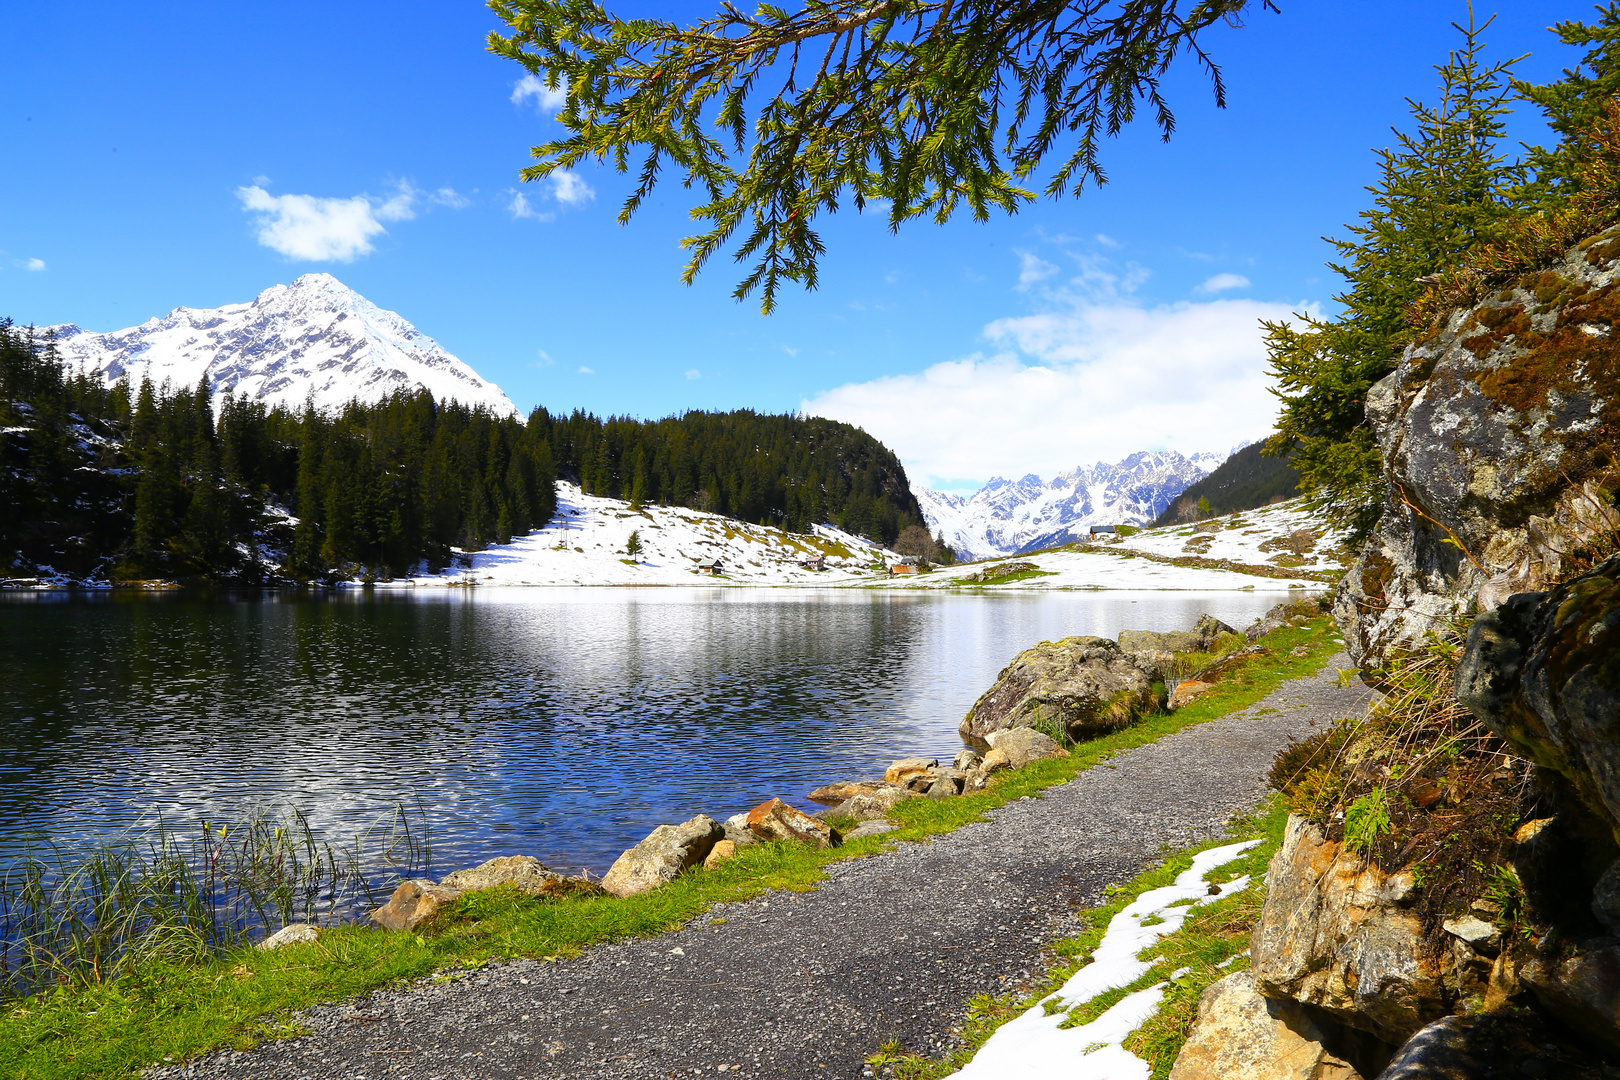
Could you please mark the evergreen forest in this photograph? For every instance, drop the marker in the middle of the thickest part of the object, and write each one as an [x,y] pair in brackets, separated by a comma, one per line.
[118,483]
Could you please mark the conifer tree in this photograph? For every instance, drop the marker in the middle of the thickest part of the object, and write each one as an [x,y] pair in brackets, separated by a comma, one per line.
[1443,189]
[1573,105]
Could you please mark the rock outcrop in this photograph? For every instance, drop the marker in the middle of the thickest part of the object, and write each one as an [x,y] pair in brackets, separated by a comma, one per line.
[1336,933]
[1543,672]
[1242,1035]
[1499,435]
[662,856]
[1076,688]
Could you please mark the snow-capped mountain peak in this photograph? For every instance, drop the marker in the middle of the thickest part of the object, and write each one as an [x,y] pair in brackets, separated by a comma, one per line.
[1008,517]
[315,339]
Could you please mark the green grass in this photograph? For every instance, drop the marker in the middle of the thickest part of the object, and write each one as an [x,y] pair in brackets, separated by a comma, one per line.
[161,1011]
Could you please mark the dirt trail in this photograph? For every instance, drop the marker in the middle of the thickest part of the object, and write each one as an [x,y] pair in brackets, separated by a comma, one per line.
[808,985]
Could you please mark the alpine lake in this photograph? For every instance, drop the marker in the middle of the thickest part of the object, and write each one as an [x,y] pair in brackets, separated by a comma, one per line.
[560,723]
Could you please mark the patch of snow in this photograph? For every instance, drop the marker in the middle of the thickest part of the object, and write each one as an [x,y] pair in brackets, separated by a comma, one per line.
[1033,1044]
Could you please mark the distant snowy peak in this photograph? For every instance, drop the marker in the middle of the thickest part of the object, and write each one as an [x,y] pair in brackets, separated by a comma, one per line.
[1006,517]
[316,339]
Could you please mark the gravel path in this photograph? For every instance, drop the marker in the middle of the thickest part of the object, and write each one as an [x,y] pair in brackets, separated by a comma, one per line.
[808,985]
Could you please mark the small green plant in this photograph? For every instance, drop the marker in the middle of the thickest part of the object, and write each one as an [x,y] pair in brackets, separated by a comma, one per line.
[632,546]
[1365,820]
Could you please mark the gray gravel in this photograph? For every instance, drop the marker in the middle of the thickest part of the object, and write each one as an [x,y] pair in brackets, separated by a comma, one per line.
[808,985]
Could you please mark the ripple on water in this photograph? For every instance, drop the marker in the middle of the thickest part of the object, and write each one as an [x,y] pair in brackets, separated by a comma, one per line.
[563,723]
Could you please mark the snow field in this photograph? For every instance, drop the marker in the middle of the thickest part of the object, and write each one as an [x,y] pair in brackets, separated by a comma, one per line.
[1241,537]
[1034,1043]
[587,543]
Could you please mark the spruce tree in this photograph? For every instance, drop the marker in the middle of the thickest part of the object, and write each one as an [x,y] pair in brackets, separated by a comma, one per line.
[1573,105]
[1443,189]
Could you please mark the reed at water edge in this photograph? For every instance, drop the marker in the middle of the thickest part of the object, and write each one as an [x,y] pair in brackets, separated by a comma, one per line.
[76,918]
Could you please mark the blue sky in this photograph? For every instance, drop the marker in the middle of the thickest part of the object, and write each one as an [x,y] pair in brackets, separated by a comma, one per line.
[150,142]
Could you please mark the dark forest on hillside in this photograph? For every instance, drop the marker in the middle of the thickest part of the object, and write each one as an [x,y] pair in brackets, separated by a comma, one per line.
[1247,479]
[135,483]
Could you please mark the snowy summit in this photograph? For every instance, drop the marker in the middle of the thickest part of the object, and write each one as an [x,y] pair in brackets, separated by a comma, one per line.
[314,339]
[1008,517]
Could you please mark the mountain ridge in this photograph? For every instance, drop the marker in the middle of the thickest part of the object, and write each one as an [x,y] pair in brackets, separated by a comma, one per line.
[314,339]
[1009,517]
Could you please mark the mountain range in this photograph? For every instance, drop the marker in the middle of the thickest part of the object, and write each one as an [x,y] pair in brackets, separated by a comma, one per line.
[315,339]
[1009,517]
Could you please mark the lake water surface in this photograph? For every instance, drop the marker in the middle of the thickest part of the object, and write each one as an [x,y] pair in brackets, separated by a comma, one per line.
[554,722]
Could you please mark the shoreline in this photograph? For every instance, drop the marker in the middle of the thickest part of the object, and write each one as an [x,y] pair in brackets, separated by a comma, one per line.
[763,964]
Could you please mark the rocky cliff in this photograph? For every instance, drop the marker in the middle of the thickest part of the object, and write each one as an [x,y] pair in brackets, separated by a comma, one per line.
[1499,432]
[1446,902]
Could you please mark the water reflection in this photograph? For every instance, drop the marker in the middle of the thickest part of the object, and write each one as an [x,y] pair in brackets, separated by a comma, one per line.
[561,723]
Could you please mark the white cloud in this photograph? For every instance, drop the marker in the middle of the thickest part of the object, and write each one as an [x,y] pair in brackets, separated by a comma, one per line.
[1032,268]
[570,189]
[400,206]
[546,100]
[1223,282]
[308,227]
[321,229]
[586,371]
[35,265]
[693,373]
[1087,381]
[1107,241]
[520,208]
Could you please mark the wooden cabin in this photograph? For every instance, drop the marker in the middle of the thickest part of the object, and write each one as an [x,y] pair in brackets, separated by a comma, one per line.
[712,569]
[903,567]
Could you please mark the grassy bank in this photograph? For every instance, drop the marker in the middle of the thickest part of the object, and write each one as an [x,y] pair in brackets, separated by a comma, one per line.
[162,1010]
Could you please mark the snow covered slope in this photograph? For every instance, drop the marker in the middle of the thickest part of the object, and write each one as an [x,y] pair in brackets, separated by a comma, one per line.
[314,338]
[1275,548]
[1008,517]
[587,544]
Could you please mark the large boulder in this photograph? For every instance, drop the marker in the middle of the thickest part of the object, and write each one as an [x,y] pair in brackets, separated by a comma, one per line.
[1242,1035]
[1337,933]
[1498,433]
[662,856]
[1076,688]
[524,873]
[1582,990]
[1543,672]
[416,901]
[774,819]
[1156,652]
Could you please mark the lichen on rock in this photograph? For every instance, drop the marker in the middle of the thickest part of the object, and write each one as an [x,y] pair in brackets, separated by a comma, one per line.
[1499,434]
